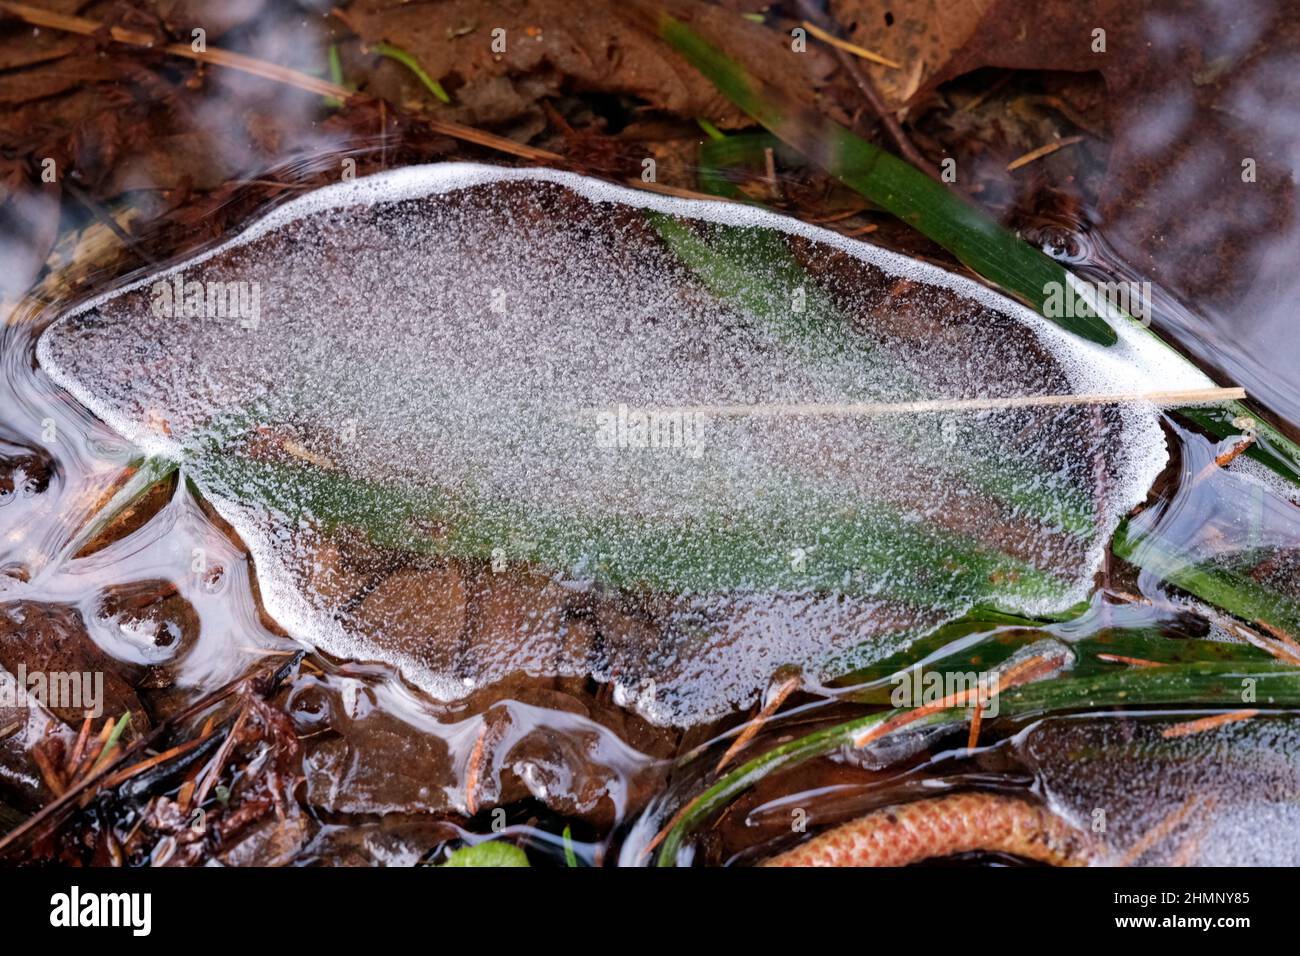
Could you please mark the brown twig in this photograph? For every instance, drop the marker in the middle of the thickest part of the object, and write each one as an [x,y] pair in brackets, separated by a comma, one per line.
[1224,460]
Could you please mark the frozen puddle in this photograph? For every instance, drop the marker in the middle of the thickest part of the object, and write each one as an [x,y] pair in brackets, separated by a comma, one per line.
[475,420]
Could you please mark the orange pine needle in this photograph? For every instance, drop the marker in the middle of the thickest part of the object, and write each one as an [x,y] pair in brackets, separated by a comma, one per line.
[49,773]
[1203,724]
[1226,458]
[1164,828]
[1281,635]
[80,745]
[472,770]
[1132,661]
[784,690]
[973,740]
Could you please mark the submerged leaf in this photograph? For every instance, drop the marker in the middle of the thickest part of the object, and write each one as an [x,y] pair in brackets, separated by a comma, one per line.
[476,421]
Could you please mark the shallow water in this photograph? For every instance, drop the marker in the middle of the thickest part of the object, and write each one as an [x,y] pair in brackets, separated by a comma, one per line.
[392,774]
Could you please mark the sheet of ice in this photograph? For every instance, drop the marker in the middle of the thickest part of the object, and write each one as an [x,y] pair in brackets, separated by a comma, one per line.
[473,420]
[1221,797]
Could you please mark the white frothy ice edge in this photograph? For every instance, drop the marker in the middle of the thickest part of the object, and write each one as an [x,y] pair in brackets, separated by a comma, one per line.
[1137,362]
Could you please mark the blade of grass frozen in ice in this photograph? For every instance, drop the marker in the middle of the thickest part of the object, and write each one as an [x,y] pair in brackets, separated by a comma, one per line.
[913,570]
[1229,590]
[756,269]
[974,646]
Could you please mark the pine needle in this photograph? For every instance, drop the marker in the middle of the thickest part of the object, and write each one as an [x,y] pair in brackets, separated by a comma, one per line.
[858,409]
[1042,151]
[1190,727]
[847,47]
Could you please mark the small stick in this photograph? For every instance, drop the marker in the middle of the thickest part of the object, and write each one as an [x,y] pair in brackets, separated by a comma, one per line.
[870,94]
[1224,459]
[1042,151]
[769,165]
[80,746]
[1227,457]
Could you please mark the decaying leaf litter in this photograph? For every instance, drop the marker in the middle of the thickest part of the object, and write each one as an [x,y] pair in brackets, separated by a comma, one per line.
[481,748]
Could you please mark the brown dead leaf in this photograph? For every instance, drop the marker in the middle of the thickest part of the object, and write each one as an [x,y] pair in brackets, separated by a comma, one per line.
[555,46]
[921,35]
[50,639]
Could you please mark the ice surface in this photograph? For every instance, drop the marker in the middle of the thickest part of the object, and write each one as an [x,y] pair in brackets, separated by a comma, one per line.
[432,416]
[1221,797]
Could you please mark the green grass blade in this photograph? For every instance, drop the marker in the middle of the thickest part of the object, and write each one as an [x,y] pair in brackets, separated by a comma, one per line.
[960,227]
[408,61]
[1233,591]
